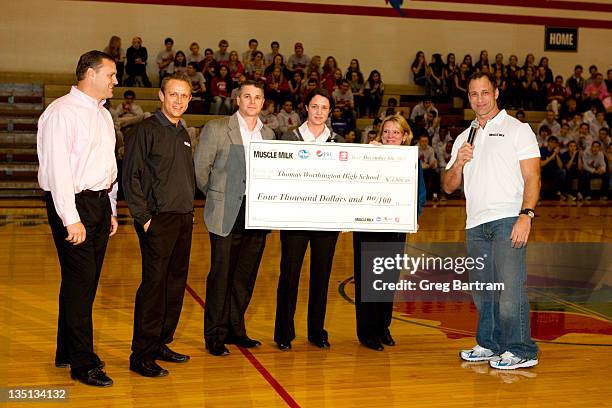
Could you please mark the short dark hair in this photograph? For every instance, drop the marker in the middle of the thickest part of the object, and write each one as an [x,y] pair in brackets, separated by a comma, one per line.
[520,112]
[253,40]
[605,130]
[596,142]
[552,139]
[168,40]
[544,128]
[177,76]
[92,59]
[321,92]
[578,66]
[129,93]
[250,82]
[479,74]
[273,43]
[194,65]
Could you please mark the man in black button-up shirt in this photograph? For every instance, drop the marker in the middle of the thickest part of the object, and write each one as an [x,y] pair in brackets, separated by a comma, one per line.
[159,186]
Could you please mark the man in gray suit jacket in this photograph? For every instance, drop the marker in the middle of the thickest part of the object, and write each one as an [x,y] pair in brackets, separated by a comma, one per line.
[220,165]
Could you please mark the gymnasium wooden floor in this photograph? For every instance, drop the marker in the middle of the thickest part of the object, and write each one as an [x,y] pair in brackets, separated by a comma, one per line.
[573,332]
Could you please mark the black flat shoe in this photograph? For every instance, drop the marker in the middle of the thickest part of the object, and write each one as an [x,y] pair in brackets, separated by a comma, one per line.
[165,354]
[147,367]
[284,346]
[217,348]
[244,342]
[321,343]
[95,377]
[387,340]
[373,345]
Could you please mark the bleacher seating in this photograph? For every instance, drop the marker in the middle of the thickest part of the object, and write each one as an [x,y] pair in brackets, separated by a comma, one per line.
[22,103]
[20,106]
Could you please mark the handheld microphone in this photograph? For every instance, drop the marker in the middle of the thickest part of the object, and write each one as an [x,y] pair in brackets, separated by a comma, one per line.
[473,129]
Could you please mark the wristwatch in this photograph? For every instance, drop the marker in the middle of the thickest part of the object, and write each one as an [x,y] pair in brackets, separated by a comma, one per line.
[528,212]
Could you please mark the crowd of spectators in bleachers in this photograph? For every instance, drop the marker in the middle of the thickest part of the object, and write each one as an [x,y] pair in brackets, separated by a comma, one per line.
[574,137]
[530,86]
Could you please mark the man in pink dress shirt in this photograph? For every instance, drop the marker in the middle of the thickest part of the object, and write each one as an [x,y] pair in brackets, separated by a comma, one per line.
[78,171]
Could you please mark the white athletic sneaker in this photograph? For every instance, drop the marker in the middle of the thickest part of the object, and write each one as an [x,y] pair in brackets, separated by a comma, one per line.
[509,361]
[477,354]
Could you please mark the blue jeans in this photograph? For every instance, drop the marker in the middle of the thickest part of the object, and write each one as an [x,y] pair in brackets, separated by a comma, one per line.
[503,322]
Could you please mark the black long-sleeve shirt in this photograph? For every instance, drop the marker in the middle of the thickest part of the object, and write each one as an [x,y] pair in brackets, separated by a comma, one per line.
[158,173]
[130,57]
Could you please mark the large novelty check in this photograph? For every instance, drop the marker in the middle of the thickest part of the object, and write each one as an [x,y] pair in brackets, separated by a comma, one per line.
[331,186]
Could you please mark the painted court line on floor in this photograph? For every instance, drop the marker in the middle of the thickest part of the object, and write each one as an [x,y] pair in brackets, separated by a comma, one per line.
[280,390]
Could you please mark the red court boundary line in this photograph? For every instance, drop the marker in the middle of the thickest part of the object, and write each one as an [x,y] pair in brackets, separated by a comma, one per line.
[280,390]
[321,8]
[545,4]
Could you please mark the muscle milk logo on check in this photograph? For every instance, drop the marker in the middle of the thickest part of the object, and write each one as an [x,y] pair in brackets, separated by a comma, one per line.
[272,155]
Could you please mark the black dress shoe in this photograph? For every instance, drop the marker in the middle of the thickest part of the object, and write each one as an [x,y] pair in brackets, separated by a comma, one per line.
[373,344]
[147,367]
[244,342]
[165,354]
[95,377]
[65,363]
[387,340]
[284,346]
[321,343]
[217,348]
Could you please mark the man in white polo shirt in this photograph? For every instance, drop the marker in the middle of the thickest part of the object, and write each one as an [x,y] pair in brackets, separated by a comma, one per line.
[501,171]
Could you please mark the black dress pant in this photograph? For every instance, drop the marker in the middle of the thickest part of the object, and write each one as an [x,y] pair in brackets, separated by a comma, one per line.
[80,267]
[165,250]
[293,249]
[234,262]
[373,318]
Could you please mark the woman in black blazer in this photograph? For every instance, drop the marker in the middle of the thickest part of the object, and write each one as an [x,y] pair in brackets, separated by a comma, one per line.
[294,243]
[374,318]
